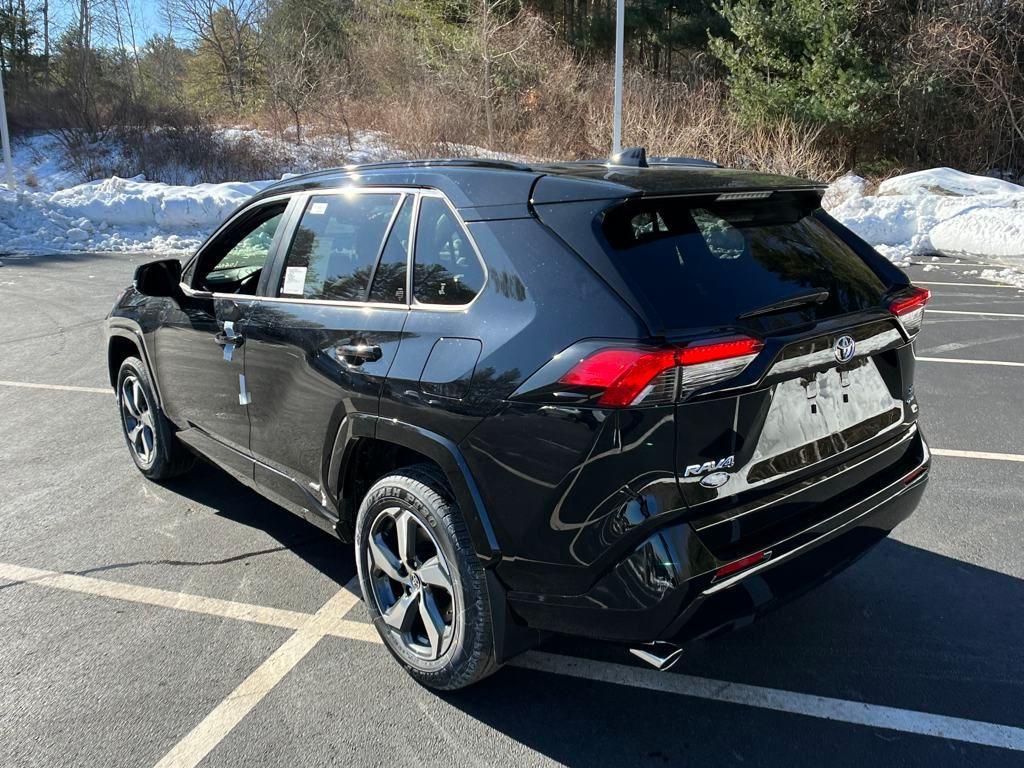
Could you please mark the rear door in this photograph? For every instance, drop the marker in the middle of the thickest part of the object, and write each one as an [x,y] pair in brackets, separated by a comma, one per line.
[443,338]
[320,343]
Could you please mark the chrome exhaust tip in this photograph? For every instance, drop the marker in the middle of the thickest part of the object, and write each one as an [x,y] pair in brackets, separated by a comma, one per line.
[659,654]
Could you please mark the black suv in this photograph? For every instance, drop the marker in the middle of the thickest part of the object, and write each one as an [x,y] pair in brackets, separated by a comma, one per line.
[638,401]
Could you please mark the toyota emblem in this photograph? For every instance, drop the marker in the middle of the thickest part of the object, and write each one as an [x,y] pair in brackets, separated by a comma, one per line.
[845,348]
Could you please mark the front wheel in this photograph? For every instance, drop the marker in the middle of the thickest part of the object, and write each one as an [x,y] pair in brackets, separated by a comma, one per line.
[424,586]
[154,447]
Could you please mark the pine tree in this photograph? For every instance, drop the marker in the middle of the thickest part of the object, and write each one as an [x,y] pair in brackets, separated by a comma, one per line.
[799,59]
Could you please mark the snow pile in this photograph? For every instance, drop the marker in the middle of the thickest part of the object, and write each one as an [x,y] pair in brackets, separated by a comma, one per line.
[52,211]
[927,212]
[936,211]
[139,203]
[118,215]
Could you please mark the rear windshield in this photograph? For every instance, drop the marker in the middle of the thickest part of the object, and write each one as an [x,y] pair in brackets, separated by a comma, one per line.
[706,263]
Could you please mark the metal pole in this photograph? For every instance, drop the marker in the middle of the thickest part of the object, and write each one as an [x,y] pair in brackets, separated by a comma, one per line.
[4,136]
[620,23]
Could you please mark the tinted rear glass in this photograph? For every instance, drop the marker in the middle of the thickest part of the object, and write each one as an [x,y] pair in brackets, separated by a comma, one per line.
[705,263]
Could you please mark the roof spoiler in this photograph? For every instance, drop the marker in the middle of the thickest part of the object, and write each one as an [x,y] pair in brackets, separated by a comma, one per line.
[636,157]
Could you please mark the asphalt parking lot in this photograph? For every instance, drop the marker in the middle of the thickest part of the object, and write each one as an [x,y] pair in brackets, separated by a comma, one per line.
[196,623]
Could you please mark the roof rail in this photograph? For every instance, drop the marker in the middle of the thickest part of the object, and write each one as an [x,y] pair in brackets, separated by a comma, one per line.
[699,162]
[636,157]
[462,162]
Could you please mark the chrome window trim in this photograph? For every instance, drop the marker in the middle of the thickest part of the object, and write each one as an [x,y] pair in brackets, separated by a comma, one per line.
[302,200]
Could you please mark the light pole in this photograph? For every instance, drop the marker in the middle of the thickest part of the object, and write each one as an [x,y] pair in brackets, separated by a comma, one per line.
[5,136]
[620,21]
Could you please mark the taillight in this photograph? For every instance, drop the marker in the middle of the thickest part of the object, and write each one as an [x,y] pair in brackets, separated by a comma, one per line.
[909,308]
[638,376]
[707,363]
[622,373]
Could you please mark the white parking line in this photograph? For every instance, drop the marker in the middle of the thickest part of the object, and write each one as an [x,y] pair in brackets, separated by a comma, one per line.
[962,361]
[978,314]
[202,739]
[840,710]
[977,455]
[212,606]
[966,285]
[329,620]
[951,265]
[63,387]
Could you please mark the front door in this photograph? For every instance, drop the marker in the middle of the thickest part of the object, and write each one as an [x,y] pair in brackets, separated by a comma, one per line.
[319,345]
[200,345]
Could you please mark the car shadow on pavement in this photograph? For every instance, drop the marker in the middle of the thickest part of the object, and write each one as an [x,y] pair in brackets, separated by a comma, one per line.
[904,627]
[211,487]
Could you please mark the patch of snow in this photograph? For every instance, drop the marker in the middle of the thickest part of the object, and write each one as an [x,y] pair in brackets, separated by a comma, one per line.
[937,211]
[60,211]
[1007,275]
[130,215]
[946,181]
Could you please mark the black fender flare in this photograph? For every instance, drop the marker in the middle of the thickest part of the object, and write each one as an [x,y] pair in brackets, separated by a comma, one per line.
[444,452]
[126,328]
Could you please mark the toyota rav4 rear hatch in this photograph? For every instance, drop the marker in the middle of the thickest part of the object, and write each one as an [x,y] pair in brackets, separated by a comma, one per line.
[791,365]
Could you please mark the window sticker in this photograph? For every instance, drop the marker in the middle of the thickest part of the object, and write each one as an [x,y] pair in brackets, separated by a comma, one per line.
[294,280]
[318,209]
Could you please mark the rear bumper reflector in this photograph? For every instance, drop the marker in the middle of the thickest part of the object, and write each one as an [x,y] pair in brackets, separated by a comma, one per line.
[744,562]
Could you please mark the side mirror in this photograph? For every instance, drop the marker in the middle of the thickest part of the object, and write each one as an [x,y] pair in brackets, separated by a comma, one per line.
[159,278]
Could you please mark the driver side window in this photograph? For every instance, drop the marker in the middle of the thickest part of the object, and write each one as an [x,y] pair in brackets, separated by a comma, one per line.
[234,262]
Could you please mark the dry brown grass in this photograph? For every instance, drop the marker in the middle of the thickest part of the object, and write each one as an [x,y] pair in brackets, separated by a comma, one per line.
[548,104]
[696,121]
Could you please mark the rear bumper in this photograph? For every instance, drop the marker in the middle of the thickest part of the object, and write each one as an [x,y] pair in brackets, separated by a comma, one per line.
[666,589]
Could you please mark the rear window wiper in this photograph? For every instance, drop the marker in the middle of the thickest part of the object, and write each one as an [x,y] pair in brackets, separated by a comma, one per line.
[814,296]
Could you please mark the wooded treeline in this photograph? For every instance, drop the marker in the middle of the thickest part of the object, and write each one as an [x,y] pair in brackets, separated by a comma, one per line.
[802,86]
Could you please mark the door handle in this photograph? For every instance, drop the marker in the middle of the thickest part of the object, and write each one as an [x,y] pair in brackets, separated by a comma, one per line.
[229,335]
[360,353]
[223,339]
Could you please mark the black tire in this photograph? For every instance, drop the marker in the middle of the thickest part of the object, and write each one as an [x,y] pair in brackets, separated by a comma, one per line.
[468,656]
[156,450]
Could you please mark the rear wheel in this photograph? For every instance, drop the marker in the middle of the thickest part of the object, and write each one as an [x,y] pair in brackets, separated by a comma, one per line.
[154,447]
[423,584]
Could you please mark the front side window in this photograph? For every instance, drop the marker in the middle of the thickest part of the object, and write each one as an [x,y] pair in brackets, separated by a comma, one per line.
[446,269]
[335,247]
[234,261]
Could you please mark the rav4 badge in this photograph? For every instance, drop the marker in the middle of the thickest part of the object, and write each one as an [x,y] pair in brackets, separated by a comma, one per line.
[710,466]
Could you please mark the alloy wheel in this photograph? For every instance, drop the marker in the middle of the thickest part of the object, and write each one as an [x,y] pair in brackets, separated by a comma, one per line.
[412,583]
[138,420]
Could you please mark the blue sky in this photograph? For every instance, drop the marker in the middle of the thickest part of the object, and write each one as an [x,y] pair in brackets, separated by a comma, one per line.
[148,15]
[151,19]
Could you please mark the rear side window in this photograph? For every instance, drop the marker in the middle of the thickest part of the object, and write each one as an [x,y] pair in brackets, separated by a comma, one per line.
[335,247]
[446,268]
[707,264]
[389,279]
